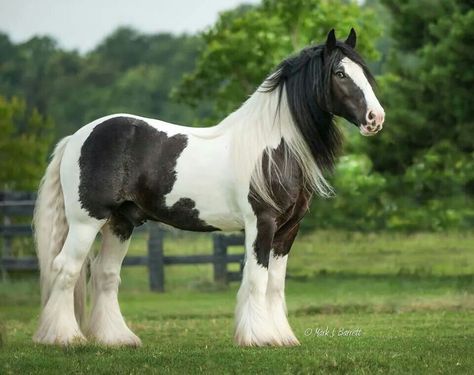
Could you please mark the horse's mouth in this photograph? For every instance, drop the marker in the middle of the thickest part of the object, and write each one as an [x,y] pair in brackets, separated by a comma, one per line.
[369,130]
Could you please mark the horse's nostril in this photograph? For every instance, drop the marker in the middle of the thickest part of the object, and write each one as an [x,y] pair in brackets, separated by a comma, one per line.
[370,117]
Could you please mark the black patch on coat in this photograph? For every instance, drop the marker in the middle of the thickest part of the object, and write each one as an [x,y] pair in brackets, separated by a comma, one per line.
[126,169]
[276,230]
[121,226]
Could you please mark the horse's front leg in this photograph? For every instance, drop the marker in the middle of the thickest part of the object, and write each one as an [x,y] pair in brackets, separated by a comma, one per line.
[276,285]
[254,327]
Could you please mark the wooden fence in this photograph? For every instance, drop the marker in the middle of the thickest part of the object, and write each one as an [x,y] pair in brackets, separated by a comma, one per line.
[19,204]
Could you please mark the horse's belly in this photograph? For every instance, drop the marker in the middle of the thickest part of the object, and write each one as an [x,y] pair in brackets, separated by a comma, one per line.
[212,203]
[219,214]
[203,175]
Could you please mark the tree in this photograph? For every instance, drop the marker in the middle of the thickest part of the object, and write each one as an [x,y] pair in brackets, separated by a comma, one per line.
[246,43]
[128,72]
[24,145]
[26,72]
[428,91]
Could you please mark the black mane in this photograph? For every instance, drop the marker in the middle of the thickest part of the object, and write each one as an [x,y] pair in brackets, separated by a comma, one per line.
[307,79]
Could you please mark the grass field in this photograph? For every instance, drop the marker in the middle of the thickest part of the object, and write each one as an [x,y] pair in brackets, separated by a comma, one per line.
[408,302]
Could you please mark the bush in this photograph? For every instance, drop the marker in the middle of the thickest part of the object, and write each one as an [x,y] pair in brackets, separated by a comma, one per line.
[24,143]
[360,200]
[434,193]
[437,191]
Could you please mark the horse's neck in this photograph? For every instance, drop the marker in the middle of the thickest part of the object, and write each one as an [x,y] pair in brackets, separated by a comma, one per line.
[257,126]
[259,122]
[260,125]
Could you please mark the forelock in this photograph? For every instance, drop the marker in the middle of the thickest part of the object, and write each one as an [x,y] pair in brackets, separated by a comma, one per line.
[343,50]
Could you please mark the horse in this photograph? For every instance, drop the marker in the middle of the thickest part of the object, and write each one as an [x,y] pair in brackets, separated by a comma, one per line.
[256,171]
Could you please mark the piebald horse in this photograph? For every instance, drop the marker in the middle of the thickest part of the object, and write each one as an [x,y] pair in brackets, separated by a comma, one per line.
[255,171]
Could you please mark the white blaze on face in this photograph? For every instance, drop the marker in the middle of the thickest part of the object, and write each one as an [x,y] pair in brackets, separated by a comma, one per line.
[374,109]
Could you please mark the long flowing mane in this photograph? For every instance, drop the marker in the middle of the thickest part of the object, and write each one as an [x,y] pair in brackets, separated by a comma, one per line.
[292,104]
[305,81]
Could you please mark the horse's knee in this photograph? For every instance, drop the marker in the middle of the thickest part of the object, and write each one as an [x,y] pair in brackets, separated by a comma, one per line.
[66,271]
[106,280]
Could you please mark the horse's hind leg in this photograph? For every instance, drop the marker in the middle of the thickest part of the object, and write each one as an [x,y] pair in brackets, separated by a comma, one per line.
[58,323]
[107,325]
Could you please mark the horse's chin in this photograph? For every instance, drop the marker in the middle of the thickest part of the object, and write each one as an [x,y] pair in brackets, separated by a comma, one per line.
[369,130]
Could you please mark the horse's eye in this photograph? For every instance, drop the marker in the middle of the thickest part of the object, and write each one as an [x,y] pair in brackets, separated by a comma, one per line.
[340,74]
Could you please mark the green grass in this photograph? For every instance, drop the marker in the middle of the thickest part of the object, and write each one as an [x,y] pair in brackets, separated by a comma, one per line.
[410,297]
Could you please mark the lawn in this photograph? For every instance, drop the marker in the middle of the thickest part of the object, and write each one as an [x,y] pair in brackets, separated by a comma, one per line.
[360,303]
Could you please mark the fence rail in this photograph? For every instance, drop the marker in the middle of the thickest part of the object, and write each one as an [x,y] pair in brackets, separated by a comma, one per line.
[20,204]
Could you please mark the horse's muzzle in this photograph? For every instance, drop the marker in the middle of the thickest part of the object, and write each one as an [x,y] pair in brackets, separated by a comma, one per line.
[374,122]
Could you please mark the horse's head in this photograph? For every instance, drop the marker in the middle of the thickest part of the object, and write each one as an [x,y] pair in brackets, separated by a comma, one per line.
[322,81]
[351,85]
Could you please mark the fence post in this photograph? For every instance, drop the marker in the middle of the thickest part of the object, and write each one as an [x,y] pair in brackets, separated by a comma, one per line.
[156,267]
[220,259]
[7,240]
[6,251]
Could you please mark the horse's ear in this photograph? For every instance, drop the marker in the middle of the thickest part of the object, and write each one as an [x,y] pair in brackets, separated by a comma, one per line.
[351,39]
[331,41]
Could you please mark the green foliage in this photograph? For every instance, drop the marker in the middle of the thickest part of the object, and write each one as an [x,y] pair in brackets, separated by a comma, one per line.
[413,20]
[359,204]
[437,183]
[430,195]
[426,149]
[128,72]
[24,143]
[443,171]
[447,75]
[247,43]
[428,91]
[239,50]
[25,71]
